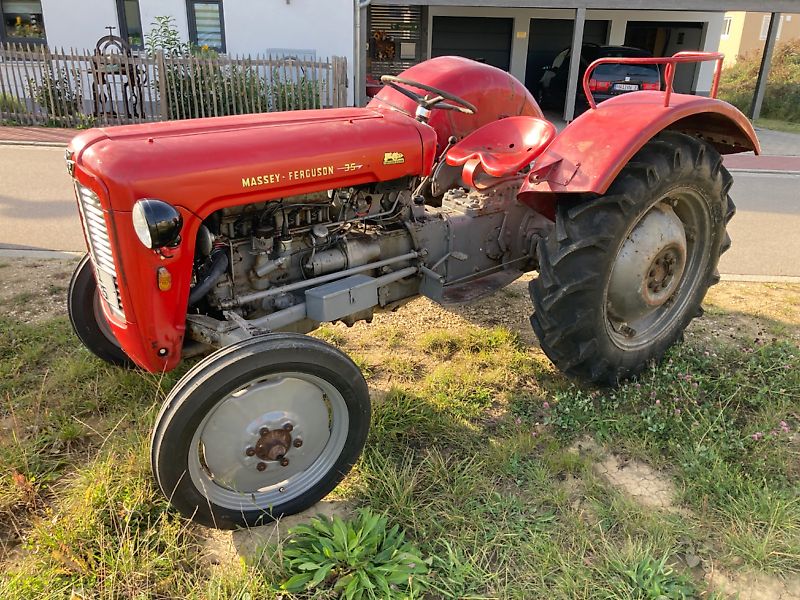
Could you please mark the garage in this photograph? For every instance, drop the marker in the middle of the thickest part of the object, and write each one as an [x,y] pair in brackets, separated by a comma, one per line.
[481,39]
[665,39]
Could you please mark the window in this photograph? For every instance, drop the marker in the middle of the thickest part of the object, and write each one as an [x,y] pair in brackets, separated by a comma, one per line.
[206,25]
[130,23]
[764,27]
[22,21]
[726,27]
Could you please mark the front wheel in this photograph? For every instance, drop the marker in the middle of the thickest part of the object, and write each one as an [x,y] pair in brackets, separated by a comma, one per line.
[621,276]
[263,428]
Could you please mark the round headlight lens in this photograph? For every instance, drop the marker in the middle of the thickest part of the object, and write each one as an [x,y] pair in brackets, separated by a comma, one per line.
[140,225]
[157,224]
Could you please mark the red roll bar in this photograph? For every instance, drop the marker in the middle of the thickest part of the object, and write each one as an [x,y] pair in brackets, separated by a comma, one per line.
[669,72]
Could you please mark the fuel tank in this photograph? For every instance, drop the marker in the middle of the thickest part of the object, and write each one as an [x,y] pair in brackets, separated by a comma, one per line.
[206,164]
[494,92]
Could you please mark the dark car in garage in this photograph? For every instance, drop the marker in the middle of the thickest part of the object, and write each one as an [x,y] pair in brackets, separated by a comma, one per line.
[608,80]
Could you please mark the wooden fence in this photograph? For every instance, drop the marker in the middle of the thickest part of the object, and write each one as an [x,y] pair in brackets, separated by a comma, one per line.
[39,86]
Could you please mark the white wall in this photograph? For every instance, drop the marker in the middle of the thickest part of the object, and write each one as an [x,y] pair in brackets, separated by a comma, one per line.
[150,9]
[251,26]
[79,23]
[254,27]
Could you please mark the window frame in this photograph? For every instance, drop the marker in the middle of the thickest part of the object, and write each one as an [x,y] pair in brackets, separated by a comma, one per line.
[765,21]
[192,18]
[726,27]
[17,40]
[123,23]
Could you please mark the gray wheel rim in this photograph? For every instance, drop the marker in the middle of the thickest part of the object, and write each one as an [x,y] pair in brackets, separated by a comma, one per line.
[675,229]
[222,465]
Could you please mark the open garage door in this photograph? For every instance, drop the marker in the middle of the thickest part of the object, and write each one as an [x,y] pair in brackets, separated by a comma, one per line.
[548,37]
[486,40]
[665,39]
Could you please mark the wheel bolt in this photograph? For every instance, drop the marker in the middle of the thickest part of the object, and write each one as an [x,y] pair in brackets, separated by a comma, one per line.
[250,451]
[263,431]
[288,427]
[298,442]
[261,466]
[284,462]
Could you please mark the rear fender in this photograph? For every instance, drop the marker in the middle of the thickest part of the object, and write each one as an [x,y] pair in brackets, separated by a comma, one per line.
[589,153]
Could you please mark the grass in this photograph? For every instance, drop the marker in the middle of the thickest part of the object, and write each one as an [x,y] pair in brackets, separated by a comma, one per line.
[778,125]
[477,451]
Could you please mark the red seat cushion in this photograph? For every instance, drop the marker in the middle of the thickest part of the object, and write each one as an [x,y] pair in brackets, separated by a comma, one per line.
[505,146]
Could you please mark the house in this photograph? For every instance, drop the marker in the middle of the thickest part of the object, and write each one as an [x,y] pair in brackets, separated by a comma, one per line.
[746,32]
[385,36]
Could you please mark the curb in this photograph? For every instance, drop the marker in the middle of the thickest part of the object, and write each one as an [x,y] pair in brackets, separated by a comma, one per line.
[762,171]
[33,143]
[759,278]
[33,253]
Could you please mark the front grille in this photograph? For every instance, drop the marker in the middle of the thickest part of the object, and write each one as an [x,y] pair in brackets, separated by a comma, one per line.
[94,222]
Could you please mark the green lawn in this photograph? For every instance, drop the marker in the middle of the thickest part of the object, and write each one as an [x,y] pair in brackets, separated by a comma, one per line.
[778,125]
[508,479]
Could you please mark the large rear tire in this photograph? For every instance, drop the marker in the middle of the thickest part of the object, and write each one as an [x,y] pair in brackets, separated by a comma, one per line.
[263,428]
[88,320]
[621,276]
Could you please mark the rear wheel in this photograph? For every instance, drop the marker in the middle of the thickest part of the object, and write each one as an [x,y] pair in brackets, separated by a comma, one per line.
[622,276]
[262,428]
[87,318]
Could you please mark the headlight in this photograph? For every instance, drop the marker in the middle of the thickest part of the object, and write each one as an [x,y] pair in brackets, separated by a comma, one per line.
[157,224]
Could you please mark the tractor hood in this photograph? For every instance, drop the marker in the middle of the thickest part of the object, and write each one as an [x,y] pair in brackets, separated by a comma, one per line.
[205,164]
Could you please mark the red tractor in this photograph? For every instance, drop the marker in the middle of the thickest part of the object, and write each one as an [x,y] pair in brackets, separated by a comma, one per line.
[235,236]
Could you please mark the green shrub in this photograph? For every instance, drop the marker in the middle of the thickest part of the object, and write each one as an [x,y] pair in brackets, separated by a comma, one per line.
[10,104]
[55,95]
[782,97]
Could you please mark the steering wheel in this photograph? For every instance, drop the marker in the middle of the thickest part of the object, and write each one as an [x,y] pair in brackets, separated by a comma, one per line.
[437,101]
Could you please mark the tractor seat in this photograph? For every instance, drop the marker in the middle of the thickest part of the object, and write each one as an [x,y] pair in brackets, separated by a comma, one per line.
[503,147]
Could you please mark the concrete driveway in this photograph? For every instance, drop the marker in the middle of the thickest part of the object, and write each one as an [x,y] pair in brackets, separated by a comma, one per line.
[37,211]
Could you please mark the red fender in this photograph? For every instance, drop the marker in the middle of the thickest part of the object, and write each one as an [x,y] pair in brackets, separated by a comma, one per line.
[591,151]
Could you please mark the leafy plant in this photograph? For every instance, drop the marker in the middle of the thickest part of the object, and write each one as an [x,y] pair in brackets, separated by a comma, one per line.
[54,93]
[288,94]
[651,579]
[10,104]
[782,97]
[204,88]
[359,559]
[165,37]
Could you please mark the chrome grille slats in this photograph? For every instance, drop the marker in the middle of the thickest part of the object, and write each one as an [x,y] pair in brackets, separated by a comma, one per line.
[94,221]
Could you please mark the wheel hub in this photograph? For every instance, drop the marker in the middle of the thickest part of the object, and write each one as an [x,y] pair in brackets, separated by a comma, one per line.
[273,445]
[284,424]
[648,267]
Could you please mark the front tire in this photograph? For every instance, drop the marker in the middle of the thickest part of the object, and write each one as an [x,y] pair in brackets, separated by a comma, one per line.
[263,428]
[622,276]
[88,320]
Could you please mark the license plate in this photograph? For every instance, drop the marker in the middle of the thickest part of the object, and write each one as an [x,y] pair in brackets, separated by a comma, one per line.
[625,87]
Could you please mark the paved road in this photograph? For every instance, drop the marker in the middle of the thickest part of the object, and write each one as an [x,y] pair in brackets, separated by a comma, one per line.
[37,210]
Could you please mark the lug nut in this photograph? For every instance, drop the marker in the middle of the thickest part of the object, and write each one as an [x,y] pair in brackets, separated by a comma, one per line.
[288,427]
[284,462]
[250,451]
[261,466]
[298,442]
[263,431]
